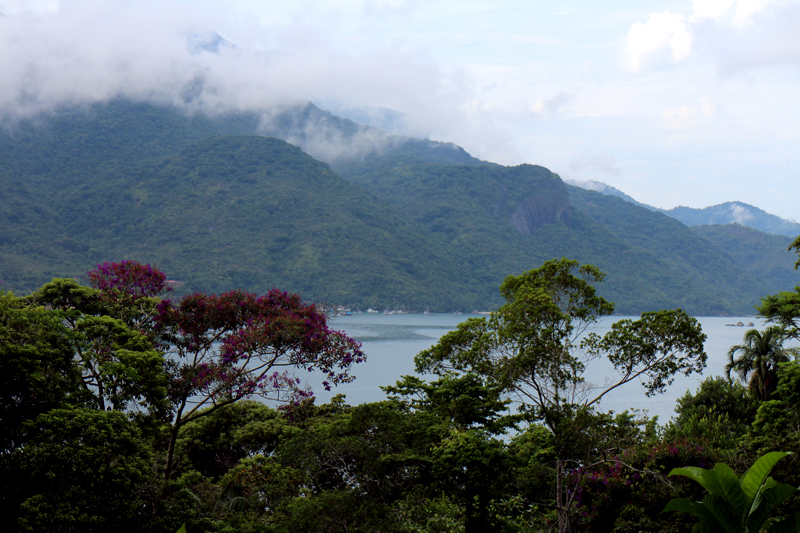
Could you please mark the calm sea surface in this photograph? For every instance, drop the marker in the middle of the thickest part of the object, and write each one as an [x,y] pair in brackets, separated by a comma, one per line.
[392,341]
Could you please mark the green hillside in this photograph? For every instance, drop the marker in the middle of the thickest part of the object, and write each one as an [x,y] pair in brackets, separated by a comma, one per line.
[252,212]
[678,263]
[762,255]
[652,260]
[416,223]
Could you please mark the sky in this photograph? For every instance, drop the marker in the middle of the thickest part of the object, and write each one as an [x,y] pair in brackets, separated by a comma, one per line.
[688,103]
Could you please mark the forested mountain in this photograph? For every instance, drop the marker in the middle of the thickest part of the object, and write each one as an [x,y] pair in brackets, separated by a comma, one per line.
[735,213]
[723,214]
[410,223]
[760,255]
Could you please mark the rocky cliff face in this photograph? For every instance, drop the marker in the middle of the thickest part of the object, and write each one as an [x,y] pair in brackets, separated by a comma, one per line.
[548,204]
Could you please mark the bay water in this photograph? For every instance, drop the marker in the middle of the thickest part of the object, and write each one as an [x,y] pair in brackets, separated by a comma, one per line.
[391,342]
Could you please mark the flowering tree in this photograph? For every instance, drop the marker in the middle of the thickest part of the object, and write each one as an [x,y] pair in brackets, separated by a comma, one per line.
[237,345]
[129,290]
[220,349]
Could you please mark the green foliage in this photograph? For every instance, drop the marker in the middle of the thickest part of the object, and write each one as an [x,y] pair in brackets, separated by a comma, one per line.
[777,422]
[88,394]
[737,504]
[759,357]
[213,445]
[719,413]
[530,345]
[462,402]
[421,225]
[653,348]
[36,367]
[530,348]
[83,472]
[784,308]
[120,367]
[628,491]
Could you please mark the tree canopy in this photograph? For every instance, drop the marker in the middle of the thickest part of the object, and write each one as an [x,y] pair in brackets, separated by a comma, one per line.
[125,408]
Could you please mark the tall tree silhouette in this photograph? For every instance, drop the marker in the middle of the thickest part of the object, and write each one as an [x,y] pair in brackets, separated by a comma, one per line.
[758,359]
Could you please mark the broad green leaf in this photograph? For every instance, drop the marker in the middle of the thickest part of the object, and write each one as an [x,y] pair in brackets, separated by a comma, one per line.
[724,513]
[723,482]
[788,525]
[692,472]
[182,529]
[765,503]
[687,505]
[752,480]
[706,527]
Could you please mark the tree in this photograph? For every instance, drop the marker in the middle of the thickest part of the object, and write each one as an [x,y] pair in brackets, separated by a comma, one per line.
[719,412]
[112,346]
[82,472]
[784,308]
[467,460]
[36,367]
[179,361]
[532,347]
[759,357]
[737,504]
[229,347]
[37,374]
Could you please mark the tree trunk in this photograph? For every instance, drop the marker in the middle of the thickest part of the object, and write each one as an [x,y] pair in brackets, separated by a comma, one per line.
[563,516]
[173,438]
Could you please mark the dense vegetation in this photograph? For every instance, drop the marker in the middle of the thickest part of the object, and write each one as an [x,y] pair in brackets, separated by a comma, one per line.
[123,409]
[420,224]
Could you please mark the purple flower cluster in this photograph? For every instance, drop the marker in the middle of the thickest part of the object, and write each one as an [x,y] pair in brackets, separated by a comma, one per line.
[234,339]
[128,279]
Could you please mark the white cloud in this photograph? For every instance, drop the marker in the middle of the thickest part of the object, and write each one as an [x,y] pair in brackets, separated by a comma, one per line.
[735,34]
[81,51]
[17,7]
[552,105]
[712,8]
[663,32]
[740,214]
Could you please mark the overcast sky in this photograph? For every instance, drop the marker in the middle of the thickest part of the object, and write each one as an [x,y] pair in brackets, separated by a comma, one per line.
[673,102]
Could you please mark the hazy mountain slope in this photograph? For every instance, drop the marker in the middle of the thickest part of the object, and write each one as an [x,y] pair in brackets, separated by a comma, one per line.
[725,213]
[604,188]
[762,255]
[105,135]
[77,142]
[254,212]
[33,243]
[735,213]
[136,181]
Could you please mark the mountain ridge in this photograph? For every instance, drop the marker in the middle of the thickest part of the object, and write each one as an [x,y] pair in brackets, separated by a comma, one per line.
[412,223]
[734,212]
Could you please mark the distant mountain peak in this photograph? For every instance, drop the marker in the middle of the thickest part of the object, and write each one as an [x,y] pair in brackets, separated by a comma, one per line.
[734,212]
